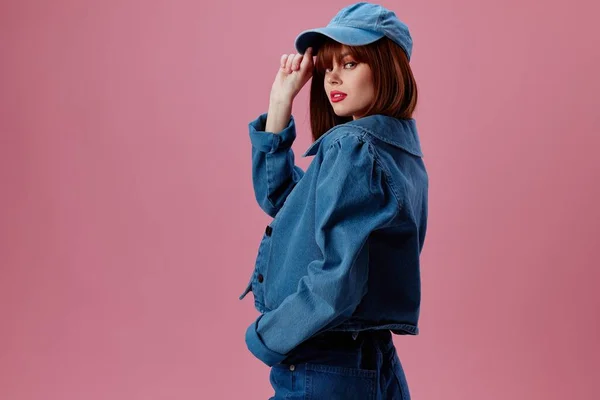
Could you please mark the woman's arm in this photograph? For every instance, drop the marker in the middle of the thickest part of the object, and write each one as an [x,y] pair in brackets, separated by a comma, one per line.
[274,173]
[352,200]
[280,111]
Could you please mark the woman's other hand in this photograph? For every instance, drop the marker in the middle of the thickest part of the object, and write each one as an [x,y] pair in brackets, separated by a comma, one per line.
[294,71]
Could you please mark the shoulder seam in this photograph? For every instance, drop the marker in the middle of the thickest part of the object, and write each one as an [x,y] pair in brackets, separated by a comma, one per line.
[362,136]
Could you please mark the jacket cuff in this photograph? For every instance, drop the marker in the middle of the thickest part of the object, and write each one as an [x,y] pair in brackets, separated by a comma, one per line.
[269,142]
[258,348]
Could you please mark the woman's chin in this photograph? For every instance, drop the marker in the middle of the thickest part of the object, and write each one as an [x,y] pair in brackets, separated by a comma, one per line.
[341,113]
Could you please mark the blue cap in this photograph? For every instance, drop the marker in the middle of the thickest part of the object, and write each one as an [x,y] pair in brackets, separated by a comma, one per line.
[357,25]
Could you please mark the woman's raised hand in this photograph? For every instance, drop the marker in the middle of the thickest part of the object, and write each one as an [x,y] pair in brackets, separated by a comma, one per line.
[294,71]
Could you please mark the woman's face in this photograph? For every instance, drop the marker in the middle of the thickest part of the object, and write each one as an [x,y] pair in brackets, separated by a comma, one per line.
[355,80]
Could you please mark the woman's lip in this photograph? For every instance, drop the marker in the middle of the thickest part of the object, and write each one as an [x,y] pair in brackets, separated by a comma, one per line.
[336,98]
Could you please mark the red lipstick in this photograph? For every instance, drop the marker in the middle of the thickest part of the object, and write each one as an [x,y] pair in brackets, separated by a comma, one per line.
[336,96]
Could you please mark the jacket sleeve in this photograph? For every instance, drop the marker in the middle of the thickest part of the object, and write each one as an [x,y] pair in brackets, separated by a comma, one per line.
[274,173]
[352,200]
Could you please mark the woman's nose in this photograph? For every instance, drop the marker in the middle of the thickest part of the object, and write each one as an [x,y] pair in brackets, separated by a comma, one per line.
[333,77]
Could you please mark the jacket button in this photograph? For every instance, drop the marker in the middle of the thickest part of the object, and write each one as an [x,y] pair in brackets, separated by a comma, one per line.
[268,230]
[260,278]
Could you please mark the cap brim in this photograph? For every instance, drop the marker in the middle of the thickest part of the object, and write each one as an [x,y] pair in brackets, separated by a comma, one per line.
[345,35]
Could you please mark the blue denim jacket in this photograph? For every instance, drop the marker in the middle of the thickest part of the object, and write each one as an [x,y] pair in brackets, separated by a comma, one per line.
[342,251]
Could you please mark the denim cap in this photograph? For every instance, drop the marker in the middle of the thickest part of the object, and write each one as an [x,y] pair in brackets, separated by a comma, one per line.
[357,25]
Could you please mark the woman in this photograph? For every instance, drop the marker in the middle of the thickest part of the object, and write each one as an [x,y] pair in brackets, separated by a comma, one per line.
[337,270]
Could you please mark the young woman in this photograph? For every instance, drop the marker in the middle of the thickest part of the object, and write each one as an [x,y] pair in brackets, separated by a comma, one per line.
[337,270]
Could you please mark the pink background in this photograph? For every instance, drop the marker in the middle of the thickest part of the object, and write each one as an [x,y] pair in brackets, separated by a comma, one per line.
[128,225]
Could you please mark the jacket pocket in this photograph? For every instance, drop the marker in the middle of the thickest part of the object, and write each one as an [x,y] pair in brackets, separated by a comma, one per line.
[333,382]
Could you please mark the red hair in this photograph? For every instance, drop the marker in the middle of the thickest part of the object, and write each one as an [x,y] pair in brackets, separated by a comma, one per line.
[393,80]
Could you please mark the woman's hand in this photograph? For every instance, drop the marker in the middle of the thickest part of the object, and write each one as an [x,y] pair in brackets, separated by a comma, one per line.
[295,70]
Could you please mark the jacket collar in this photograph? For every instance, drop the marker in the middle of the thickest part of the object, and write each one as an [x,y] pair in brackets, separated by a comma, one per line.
[401,133]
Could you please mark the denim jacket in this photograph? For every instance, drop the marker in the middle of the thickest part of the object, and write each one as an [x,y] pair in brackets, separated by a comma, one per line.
[342,251]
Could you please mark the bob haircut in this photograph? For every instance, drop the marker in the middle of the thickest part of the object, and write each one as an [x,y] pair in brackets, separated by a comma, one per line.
[393,80]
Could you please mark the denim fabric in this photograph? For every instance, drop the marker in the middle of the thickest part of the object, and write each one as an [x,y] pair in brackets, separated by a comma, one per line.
[357,25]
[342,251]
[334,366]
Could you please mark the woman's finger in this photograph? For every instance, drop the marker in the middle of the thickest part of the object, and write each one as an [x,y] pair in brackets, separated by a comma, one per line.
[307,58]
[283,60]
[296,62]
[288,64]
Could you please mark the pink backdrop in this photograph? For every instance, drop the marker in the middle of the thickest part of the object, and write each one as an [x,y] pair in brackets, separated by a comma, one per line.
[128,225]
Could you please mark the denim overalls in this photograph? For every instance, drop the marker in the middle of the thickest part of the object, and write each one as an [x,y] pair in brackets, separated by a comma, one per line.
[341,255]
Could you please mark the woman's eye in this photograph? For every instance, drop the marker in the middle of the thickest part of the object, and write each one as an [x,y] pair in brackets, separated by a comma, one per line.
[351,62]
